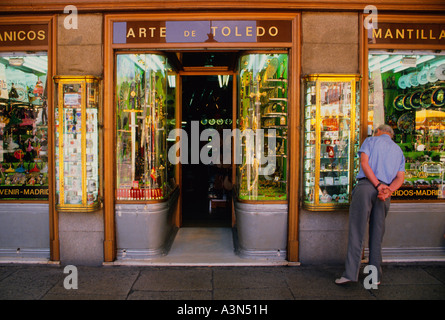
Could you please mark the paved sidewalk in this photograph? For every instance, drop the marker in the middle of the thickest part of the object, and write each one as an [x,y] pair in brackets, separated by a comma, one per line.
[46,282]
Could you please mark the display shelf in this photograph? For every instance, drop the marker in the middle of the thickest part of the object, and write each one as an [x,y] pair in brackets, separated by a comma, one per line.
[331,138]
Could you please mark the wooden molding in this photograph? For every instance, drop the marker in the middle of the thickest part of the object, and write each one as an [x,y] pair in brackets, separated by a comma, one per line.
[138,5]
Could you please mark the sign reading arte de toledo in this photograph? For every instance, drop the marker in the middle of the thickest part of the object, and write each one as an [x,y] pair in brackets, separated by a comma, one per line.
[222,31]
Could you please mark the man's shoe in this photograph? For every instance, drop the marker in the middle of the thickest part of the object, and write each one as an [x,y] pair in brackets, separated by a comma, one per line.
[342,281]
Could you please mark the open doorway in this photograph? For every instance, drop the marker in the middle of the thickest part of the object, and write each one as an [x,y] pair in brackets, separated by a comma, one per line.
[207,103]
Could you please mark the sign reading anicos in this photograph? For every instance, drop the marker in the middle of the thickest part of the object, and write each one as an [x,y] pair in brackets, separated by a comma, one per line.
[23,35]
[202,31]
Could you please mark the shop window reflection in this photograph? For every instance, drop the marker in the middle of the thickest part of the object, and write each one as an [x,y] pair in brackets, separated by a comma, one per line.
[407,91]
[23,126]
[145,102]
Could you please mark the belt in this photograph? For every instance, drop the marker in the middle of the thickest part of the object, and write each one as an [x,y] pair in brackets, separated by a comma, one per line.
[360,179]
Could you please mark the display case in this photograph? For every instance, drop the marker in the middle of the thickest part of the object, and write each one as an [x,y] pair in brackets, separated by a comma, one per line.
[145,114]
[77,143]
[331,140]
[262,123]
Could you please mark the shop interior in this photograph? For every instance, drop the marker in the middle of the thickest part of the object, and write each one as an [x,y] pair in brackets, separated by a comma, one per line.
[207,187]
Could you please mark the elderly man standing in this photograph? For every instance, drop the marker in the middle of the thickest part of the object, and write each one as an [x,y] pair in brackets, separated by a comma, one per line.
[382,171]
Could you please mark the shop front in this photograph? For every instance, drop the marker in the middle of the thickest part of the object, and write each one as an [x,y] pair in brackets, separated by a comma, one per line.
[404,86]
[196,130]
[27,219]
[156,119]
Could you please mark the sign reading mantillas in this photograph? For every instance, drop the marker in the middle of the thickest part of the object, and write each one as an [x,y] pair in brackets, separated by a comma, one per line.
[407,33]
[202,31]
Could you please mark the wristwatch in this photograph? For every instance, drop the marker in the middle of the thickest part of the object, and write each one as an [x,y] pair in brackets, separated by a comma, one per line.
[377,186]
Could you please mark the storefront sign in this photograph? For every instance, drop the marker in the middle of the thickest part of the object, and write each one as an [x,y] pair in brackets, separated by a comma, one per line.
[24,192]
[398,33]
[23,35]
[202,31]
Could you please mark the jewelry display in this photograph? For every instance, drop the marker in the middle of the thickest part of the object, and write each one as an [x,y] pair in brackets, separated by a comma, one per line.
[331,139]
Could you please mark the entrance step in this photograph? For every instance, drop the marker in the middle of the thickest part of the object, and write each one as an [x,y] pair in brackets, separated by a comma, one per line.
[202,247]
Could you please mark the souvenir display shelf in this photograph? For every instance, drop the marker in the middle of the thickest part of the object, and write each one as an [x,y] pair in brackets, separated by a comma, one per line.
[77,143]
[145,114]
[262,116]
[331,140]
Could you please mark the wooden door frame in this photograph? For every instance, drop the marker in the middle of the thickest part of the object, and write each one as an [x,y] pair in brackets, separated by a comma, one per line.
[51,49]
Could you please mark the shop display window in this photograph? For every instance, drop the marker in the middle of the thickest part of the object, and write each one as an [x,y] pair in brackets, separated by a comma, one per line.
[262,123]
[77,141]
[407,91]
[145,114]
[331,140]
[23,126]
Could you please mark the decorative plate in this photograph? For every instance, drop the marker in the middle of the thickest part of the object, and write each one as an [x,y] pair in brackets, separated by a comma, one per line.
[425,98]
[438,96]
[413,79]
[406,122]
[422,77]
[440,72]
[415,99]
[402,82]
[407,102]
[398,102]
[432,74]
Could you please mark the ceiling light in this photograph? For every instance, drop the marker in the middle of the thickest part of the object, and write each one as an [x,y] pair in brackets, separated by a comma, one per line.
[16,62]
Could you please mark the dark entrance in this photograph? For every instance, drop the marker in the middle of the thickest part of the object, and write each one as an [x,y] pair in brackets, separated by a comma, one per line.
[206,188]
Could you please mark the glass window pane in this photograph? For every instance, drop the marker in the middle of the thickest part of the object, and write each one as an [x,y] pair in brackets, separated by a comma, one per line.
[143,92]
[335,143]
[262,125]
[23,126]
[407,91]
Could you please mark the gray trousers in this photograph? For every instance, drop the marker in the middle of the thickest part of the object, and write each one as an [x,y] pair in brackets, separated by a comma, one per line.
[365,207]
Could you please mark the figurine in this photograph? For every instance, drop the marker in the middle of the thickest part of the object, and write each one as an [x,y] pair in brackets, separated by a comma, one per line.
[13,92]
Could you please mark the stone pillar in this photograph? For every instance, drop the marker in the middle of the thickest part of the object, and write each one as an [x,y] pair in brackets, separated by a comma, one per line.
[330,44]
[80,52]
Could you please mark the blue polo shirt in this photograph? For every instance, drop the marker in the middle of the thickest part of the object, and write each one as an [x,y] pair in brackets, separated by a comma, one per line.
[385,158]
